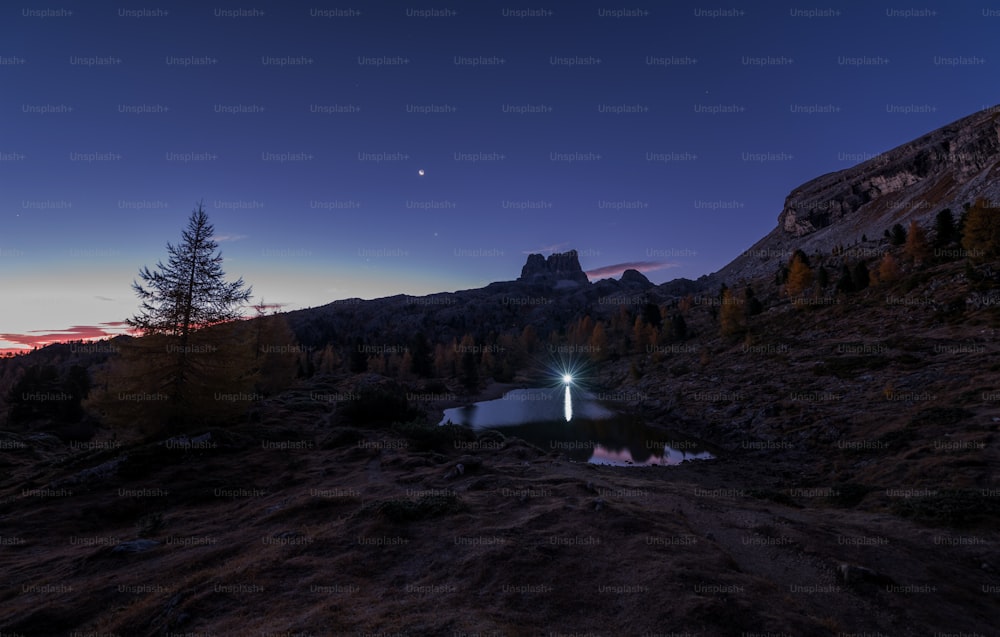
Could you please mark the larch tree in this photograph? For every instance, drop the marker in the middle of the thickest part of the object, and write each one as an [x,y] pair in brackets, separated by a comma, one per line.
[190,291]
[917,249]
[800,276]
[732,316]
[981,231]
[598,343]
[888,269]
[191,348]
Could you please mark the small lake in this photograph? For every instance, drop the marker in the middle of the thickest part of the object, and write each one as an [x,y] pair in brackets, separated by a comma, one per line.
[573,421]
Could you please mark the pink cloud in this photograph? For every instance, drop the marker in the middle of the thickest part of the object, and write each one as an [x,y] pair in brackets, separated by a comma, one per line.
[41,338]
[617,269]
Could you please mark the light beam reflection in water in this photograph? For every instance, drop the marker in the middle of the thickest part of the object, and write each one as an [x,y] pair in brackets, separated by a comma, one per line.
[579,426]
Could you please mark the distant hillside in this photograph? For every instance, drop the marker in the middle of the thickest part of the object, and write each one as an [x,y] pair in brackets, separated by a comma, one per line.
[550,293]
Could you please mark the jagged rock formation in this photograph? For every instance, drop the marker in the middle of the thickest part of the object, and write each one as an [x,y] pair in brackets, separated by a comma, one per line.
[561,269]
[943,169]
[549,294]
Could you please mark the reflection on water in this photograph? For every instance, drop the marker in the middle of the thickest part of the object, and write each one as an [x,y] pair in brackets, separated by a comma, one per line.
[572,422]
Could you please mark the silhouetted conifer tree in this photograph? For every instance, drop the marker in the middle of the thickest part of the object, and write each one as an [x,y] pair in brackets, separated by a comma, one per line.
[944,228]
[189,348]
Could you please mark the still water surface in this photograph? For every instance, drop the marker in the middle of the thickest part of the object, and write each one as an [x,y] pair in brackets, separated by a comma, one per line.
[572,421]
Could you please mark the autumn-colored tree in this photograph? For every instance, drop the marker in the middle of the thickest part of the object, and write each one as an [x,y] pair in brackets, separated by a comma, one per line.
[800,277]
[305,367]
[981,231]
[444,360]
[801,256]
[329,360]
[598,343]
[684,305]
[134,389]
[732,315]
[579,333]
[916,249]
[888,269]
[488,362]
[511,357]
[643,335]
[638,335]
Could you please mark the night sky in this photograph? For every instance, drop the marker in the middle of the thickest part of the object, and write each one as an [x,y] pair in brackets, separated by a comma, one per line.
[662,136]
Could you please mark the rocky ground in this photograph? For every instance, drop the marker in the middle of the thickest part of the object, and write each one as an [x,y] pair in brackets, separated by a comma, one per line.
[893,388]
[296,526]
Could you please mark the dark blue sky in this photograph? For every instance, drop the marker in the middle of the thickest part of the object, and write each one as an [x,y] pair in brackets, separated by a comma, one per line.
[115,119]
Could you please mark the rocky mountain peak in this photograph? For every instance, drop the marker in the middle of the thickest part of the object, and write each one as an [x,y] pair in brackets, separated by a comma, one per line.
[560,269]
[945,168]
[635,277]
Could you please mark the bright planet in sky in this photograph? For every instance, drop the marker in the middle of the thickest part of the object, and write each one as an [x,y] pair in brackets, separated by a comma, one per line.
[421,172]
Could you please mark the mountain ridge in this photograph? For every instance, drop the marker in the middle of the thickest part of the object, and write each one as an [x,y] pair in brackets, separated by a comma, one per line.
[945,168]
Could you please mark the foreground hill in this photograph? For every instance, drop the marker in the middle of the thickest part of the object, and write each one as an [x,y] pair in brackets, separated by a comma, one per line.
[301,527]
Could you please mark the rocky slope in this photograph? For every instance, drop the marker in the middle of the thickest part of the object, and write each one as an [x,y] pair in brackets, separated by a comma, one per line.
[943,169]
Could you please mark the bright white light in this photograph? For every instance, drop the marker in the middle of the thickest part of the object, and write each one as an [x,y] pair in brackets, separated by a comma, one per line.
[568,379]
[568,405]
[421,172]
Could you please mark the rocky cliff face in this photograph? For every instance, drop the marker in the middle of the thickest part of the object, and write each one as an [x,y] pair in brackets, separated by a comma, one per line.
[943,169]
[561,269]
